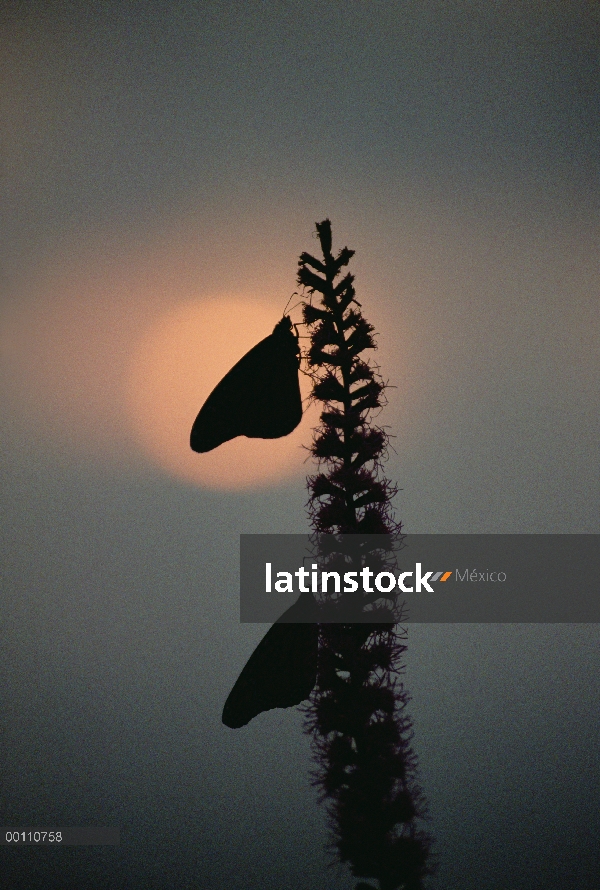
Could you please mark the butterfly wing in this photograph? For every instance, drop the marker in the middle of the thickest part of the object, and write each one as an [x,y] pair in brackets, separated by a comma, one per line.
[259,397]
[275,407]
[280,673]
[226,412]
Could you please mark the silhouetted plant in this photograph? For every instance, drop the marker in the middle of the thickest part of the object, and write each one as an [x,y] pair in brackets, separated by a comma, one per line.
[357,713]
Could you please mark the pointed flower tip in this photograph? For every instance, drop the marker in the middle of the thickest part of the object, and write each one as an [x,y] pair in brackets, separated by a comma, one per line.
[324,233]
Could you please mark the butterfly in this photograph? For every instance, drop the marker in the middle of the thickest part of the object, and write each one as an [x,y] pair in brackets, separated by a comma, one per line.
[260,396]
[281,672]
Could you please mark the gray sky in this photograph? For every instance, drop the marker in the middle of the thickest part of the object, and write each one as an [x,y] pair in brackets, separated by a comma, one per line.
[165,154]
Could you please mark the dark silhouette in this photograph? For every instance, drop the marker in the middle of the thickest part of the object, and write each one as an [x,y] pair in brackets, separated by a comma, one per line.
[259,398]
[361,733]
[356,716]
[282,670]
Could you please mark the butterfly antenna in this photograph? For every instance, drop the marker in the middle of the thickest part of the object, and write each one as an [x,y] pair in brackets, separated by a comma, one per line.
[295,294]
[295,306]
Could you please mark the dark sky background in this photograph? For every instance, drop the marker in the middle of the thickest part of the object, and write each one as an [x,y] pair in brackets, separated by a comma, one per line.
[160,153]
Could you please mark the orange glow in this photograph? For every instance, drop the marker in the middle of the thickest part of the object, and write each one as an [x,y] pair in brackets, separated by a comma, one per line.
[109,348]
[175,366]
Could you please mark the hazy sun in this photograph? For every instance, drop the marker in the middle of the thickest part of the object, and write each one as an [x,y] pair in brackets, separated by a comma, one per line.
[176,364]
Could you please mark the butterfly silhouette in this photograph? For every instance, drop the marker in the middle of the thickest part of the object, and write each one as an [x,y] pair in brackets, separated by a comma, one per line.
[260,396]
[282,670]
